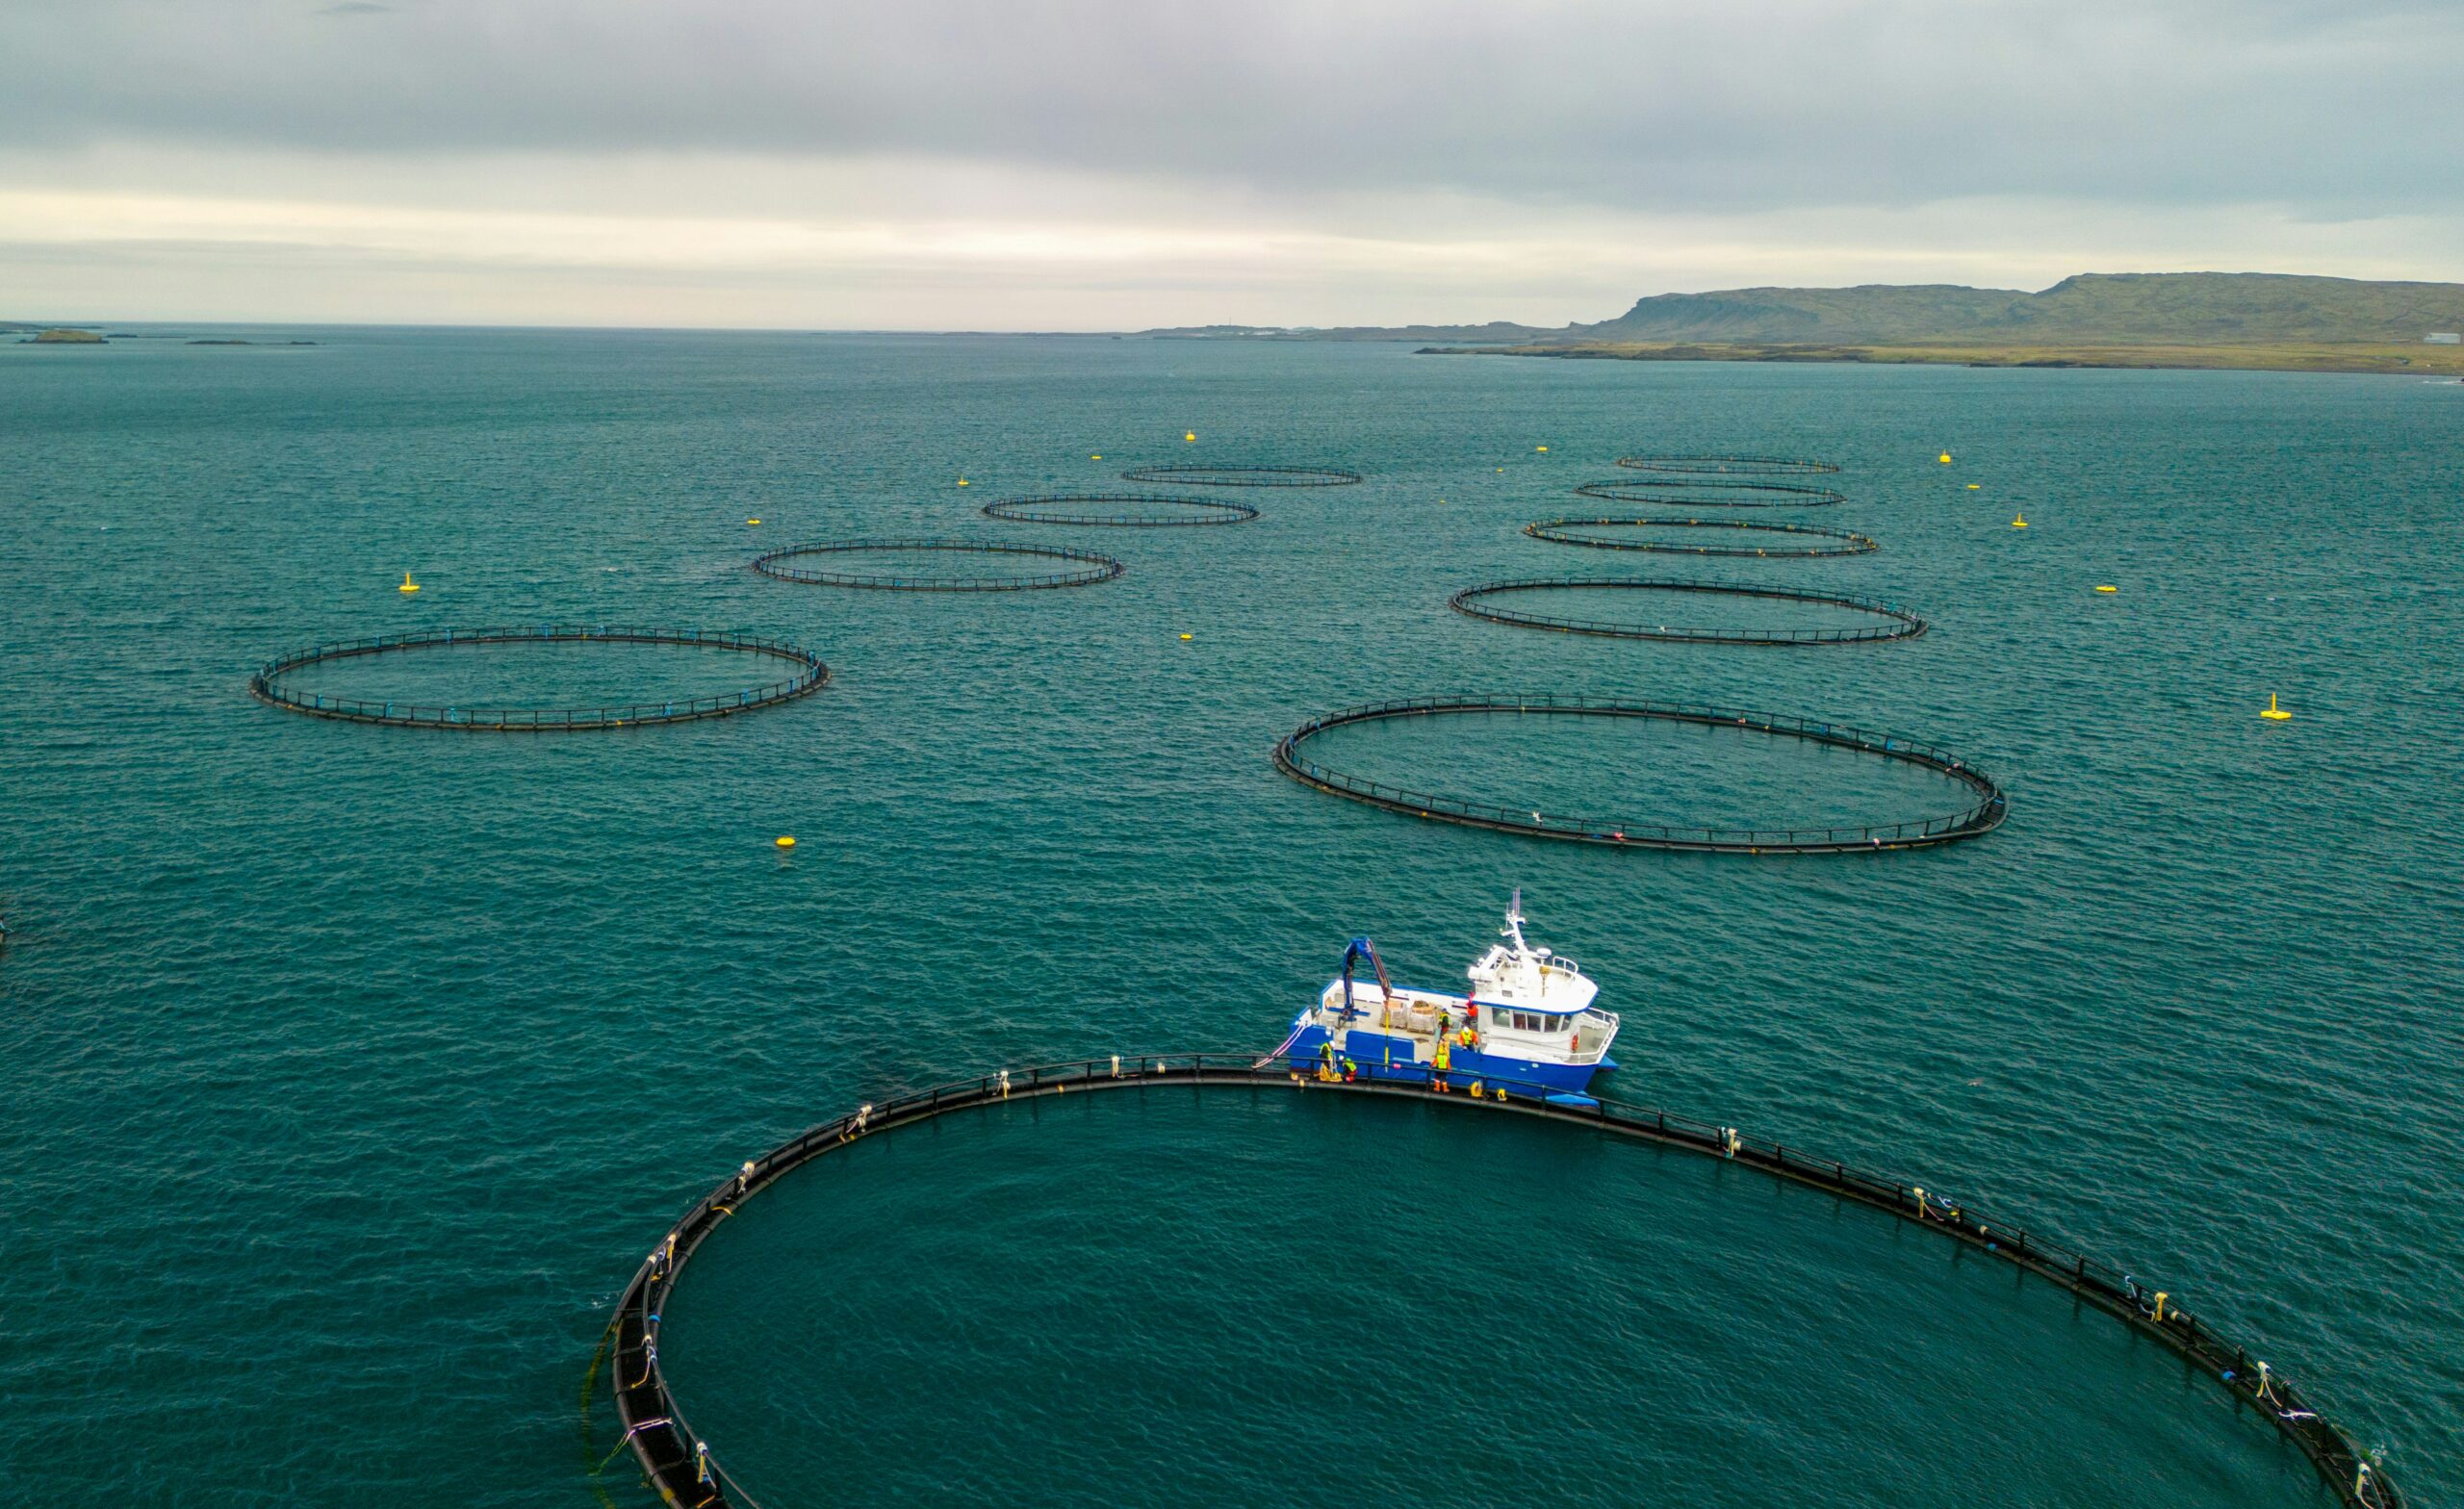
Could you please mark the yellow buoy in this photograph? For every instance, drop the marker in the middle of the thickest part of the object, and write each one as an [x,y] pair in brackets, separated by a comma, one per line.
[1187,636]
[753,520]
[785,841]
[1094,458]
[1973,486]
[408,585]
[2021,523]
[1946,458]
[1543,450]
[962,481]
[2273,713]
[2101,588]
[1190,435]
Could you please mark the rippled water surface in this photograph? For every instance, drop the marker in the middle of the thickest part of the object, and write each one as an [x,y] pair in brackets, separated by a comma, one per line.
[352,1068]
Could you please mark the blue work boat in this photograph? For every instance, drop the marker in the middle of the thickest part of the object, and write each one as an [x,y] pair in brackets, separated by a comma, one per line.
[1526,1025]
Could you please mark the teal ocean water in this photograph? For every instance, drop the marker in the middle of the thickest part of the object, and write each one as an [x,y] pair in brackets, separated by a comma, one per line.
[351,1070]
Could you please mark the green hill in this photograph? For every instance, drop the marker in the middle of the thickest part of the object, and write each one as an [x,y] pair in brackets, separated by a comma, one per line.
[2099,308]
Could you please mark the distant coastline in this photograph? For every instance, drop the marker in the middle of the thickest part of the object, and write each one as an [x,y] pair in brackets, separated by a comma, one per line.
[2227,321]
[2422,359]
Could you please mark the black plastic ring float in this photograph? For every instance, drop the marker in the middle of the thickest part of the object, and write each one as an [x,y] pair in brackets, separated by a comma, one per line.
[1730,495]
[1899,623]
[1048,510]
[1984,816]
[1728,465]
[1555,531]
[1245,477]
[811,675]
[1094,568]
[681,1466]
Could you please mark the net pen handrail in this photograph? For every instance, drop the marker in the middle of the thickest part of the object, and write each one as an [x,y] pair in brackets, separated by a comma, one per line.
[685,1461]
[1983,813]
[264,683]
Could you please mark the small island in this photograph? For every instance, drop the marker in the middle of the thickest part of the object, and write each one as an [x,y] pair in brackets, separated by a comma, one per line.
[64,336]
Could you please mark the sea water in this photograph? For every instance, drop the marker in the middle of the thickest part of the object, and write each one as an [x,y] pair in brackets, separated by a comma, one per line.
[352,1069]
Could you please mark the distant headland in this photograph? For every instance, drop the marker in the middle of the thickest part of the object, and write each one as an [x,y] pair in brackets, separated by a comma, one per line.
[2259,320]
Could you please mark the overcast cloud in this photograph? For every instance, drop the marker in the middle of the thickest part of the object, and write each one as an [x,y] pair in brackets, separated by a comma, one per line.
[1089,162]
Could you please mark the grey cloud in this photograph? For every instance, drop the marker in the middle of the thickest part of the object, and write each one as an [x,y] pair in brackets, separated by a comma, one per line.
[2328,109]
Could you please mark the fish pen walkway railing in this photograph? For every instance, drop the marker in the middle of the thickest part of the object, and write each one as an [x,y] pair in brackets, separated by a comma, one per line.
[1092,568]
[265,685]
[678,1462]
[1986,814]
[1897,623]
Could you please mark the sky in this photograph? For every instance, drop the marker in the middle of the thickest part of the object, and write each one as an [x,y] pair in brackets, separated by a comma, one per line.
[1123,164]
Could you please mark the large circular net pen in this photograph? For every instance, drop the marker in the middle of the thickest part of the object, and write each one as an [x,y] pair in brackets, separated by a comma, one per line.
[1487,602]
[1679,493]
[1245,477]
[1728,465]
[1982,815]
[808,675]
[1087,568]
[1121,510]
[685,1466]
[1785,540]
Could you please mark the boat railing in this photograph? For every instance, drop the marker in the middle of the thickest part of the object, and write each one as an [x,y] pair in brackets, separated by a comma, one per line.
[679,1463]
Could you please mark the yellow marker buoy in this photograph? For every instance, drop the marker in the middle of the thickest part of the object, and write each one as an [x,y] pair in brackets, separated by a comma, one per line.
[408,585]
[1973,486]
[1094,458]
[962,481]
[1946,458]
[2102,588]
[2273,713]
[753,520]
[1543,450]
[2021,523]
[1190,435]
[1187,636]
[785,841]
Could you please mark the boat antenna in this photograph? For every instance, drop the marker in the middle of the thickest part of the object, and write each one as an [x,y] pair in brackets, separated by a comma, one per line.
[1514,920]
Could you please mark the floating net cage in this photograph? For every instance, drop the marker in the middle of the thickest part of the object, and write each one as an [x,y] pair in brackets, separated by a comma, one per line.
[680,1465]
[1121,510]
[1728,465]
[1483,602]
[809,676]
[1679,493]
[1805,543]
[1982,816]
[1087,567]
[1245,477]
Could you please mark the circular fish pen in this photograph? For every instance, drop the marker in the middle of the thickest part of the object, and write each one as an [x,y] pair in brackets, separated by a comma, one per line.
[1982,816]
[1556,531]
[679,1462]
[1478,602]
[809,676]
[1148,511]
[1679,492]
[1090,566]
[1728,465]
[1245,477]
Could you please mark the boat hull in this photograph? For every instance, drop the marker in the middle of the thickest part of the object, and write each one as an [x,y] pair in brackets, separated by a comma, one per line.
[1384,1056]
